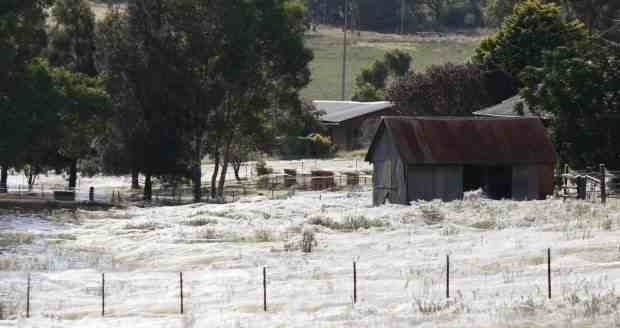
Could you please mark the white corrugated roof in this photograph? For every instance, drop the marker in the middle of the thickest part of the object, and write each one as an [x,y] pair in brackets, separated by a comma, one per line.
[339,111]
[507,109]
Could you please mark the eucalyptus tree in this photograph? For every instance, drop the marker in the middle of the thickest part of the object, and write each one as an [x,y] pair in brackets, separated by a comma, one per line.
[22,38]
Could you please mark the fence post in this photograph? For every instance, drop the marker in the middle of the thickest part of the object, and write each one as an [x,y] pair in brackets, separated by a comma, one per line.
[565,180]
[354,282]
[603,185]
[549,271]
[28,297]
[582,185]
[102,294]
[265,289]
[447,276]
[181,285]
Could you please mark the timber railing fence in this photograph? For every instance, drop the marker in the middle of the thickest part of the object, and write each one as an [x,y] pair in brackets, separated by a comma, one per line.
[302,174]
[590,184]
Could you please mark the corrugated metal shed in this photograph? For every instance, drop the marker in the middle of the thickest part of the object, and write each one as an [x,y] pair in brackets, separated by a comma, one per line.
[472,140]
[339,111]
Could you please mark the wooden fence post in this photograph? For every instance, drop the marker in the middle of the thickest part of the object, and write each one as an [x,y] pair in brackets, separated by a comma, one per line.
[603,185]
[549,271]
[565,180]
[354,282]
[447,276]
[28,297]
[181,285]
[265,289]
[102,294]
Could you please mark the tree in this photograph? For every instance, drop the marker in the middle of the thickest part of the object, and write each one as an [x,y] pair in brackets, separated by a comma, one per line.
[83,110]
[532,29]
[31,118]
[22,38]
[437,8]
[204,77]
[122,150]
[599,16]
[450,90]
[270,71]
[72,45]
[72,39]
[372,81]
[578,89]
[497,10]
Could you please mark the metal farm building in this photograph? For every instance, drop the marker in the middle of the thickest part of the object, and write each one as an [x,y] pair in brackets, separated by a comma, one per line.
[420,158]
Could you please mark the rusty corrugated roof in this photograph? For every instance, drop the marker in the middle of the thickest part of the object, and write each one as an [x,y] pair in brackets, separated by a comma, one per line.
[470,140]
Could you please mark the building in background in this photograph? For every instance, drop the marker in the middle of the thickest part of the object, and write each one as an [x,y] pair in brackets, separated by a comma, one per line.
[347,120]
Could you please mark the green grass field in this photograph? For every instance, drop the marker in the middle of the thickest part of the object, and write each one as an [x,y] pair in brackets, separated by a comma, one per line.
[367,47]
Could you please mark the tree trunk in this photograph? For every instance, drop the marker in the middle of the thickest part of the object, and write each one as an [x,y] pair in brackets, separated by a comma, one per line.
[73,174]
[216,168]
[4,175]
[148,187]
[197,172]
[32,174]
[220,187]
[135,179]
[236,167]
[197,183]
[222,182]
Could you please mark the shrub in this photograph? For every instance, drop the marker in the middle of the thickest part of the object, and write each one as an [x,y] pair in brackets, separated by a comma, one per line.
[262,168]
[308,240]
[320,146]
[199,222]
[315,145]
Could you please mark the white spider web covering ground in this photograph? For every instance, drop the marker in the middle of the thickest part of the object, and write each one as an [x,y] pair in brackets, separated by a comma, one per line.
[497,249]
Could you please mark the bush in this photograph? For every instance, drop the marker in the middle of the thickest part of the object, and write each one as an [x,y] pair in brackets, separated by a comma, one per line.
[315,145]
[321,146]
[262,168]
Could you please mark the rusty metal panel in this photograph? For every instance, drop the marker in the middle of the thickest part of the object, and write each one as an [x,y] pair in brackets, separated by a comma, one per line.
[471,140]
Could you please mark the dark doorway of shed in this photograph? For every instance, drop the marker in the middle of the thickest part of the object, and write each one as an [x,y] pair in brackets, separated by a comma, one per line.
[495,181]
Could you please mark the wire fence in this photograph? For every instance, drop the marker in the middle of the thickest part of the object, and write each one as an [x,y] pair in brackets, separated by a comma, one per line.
[268,288]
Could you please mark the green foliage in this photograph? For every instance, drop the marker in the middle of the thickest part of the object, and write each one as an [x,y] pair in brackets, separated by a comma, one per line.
[314,145]
[84,108]
[497,10]
[372,81]
[368,92]
[534,27]
[398,62]
[578,89]
[453,90]
[72,39]
[374,75]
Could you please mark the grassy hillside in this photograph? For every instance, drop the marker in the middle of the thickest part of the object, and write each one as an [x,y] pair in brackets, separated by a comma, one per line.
[366,47]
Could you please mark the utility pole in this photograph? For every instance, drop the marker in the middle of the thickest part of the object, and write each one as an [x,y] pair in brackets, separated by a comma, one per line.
[344,51]
[402,17]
